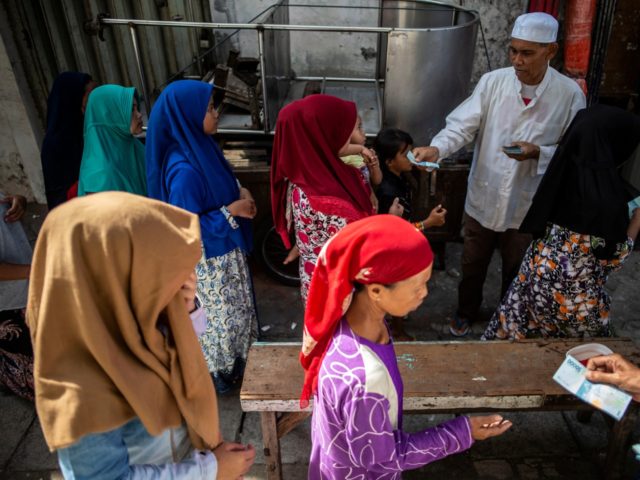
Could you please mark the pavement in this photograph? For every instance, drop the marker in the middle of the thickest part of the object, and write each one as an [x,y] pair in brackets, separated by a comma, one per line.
[540,445]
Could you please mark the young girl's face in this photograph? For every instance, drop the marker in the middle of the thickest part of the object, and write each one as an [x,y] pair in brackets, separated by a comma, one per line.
[405,296]
[210,122]
[136,119]
[400,162]
[358,136]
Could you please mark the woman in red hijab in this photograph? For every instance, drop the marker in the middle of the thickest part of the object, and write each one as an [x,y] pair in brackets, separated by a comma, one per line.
[373,267]
[313,192]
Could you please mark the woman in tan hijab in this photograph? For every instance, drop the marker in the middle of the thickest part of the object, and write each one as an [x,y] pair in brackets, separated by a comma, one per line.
[122,388]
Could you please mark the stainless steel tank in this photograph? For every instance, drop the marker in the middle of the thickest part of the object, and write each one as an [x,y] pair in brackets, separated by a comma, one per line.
[427,71]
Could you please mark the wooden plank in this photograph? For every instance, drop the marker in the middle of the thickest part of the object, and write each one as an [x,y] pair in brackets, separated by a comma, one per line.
[438,377]
[271,444]
[442,404]
[432,370]
[260,405]
[502,402]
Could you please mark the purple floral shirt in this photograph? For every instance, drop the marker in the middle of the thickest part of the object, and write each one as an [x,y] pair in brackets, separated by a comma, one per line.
[357,416]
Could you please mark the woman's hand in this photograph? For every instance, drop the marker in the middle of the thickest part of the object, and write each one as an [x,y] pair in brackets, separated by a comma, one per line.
[188,291]
[234,460]
[370,158]
[634,225]
[436,218]
[17,205]
[374,202]
[245,194]
[293,254]
[396,209]
[245,208]
[483,427]
[373,165]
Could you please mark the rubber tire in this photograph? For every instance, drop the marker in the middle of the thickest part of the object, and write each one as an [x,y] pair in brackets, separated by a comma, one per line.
[271,253]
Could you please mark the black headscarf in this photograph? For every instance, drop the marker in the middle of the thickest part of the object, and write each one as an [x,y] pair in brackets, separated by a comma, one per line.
[62,146]
[582,189]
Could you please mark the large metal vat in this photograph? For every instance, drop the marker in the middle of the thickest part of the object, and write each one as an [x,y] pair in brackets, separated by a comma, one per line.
[425,55]
[427,69]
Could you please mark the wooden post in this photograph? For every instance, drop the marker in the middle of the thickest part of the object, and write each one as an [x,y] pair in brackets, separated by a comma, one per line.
[271,445]
[619,442]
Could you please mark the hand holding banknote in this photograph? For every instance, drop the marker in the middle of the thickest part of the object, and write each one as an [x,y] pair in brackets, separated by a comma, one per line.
[617,371]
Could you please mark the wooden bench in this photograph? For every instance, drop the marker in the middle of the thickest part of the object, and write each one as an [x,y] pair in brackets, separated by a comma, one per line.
[439,377]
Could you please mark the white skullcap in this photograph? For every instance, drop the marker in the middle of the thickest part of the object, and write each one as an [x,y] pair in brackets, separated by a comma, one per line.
[535,27]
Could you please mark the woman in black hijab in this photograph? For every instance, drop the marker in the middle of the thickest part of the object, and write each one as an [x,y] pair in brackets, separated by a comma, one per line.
[580,218]
[62,146]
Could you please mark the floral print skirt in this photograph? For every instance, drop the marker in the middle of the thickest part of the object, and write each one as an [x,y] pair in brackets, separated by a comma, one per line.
[226,291]
[16,354]
[313,229]
[559,290]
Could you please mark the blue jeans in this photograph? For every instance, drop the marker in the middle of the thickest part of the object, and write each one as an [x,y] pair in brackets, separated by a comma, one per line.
[130,452]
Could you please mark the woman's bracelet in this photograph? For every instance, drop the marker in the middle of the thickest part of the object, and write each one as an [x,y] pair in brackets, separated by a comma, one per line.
[419,225]
[227,214]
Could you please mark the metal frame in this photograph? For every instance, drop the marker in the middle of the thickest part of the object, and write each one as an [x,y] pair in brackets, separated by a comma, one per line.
[260,28]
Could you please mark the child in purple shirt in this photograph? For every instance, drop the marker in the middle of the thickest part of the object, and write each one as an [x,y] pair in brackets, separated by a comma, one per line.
[373,267]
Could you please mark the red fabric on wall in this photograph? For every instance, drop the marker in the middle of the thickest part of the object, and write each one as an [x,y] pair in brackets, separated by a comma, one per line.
[546,6]
[577,44]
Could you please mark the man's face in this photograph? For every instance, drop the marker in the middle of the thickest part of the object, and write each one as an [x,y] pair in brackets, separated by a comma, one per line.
[530,59]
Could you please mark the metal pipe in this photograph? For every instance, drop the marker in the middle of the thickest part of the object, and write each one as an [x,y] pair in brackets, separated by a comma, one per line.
[239,26]
[242,131]
[140,69]
[379,102]
[324,84]
[265,26]
[379,43]
[263,80]
[193,34]
[332,79]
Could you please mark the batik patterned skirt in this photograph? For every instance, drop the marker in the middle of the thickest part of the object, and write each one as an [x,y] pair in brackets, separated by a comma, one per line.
[313,229]
[559,290]
[226,291]
[16,354]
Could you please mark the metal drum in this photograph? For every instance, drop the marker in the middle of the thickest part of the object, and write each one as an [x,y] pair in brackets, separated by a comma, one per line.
[427,70]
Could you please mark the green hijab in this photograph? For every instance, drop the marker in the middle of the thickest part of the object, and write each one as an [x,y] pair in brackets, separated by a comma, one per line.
[112,158]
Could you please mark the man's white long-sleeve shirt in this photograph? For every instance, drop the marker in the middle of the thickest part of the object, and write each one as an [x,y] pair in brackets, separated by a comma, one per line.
[500,188]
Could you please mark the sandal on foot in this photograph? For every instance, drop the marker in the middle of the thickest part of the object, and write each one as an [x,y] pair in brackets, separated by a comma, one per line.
[459,326]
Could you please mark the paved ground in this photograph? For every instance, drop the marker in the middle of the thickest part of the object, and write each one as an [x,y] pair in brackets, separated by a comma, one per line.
[539,446]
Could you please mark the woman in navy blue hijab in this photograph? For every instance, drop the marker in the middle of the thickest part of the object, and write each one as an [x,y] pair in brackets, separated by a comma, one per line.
[63,142]
[186,168]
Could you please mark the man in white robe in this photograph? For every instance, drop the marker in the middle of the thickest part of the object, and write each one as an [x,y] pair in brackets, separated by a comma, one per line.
[528,105]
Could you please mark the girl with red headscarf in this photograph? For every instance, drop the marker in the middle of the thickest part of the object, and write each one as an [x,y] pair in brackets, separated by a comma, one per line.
[313,192]
[373,267]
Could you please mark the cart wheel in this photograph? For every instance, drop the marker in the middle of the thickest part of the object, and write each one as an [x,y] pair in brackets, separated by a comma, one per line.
[272,254]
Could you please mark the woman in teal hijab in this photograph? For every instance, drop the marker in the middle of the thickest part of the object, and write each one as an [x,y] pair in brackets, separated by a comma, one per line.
[112,159]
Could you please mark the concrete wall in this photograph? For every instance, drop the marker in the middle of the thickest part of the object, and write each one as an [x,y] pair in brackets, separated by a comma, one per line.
[20,170]
[497,17]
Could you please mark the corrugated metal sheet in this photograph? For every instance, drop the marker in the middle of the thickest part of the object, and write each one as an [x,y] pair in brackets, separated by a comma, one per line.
[51,38]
